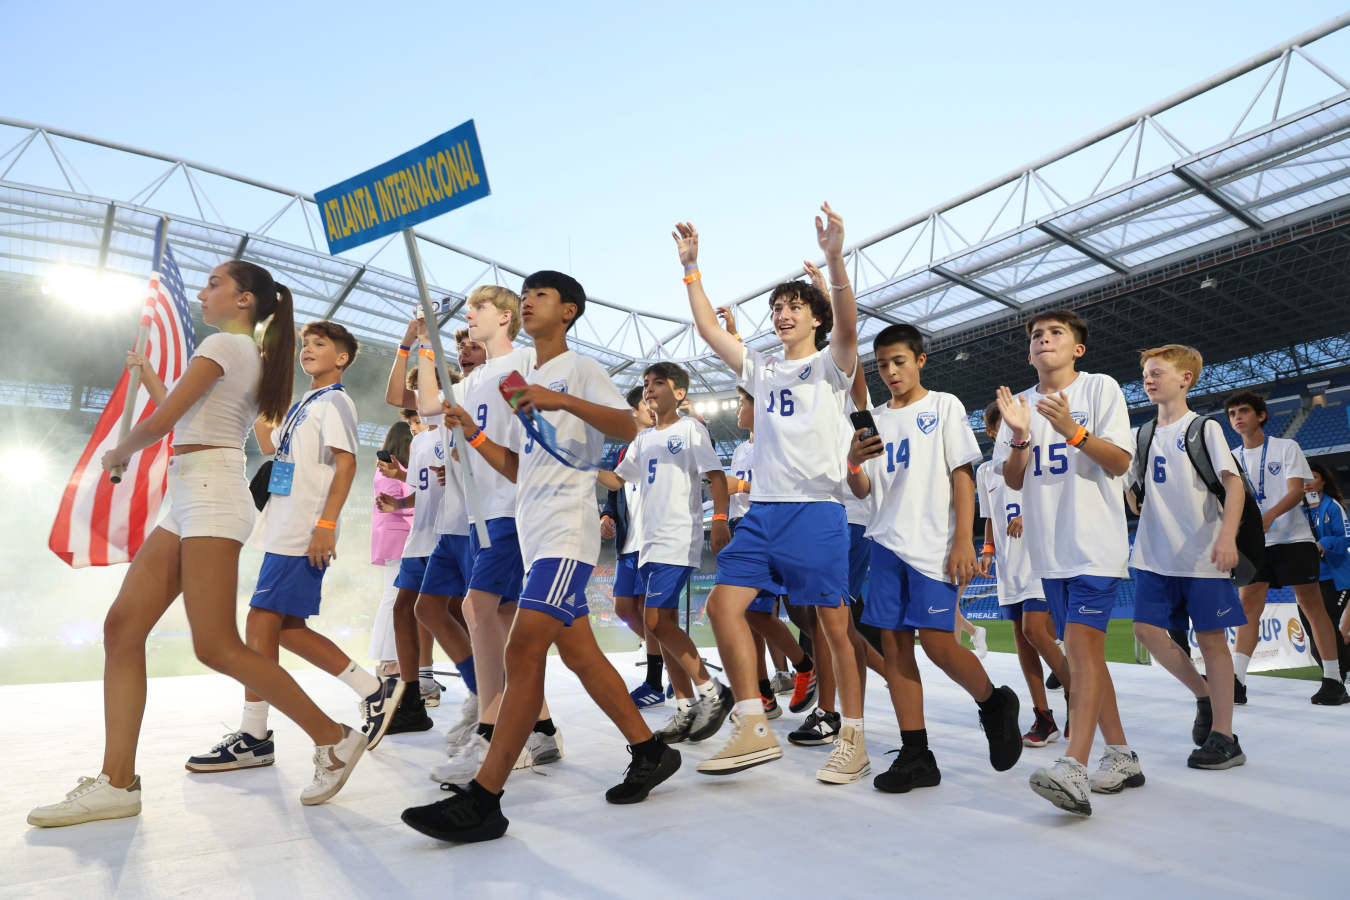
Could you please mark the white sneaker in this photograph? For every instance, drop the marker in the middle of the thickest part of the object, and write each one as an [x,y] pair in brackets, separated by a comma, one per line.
[333,764]
[981,641]
[540,749]
[92,799]
[462,730]
[1116,770]
[464,762]
[1065,784]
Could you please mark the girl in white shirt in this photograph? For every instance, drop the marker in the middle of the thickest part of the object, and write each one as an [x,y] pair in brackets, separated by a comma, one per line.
[195,549]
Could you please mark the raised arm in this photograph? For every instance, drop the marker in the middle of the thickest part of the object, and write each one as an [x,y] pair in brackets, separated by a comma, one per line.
[1017,419]
[396,391]
[727,347]
[844,335]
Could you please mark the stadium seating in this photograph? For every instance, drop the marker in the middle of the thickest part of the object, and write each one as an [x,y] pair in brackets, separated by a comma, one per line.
[1326,426]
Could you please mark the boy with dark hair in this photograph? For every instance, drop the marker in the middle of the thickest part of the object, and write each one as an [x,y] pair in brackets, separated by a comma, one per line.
[1185,550]
[1276,470]
[1021,597]
[555,513]
[795,532]
[668,463]
[1068,459]
[922,503]
[298,533]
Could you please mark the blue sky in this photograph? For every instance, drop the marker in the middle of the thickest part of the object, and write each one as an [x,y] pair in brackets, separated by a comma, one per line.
[602,124]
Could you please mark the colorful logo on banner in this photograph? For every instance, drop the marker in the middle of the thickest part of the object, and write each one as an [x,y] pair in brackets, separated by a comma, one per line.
[1297,637]
[443,174]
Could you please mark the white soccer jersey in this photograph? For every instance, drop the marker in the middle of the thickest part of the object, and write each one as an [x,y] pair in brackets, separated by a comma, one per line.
[556,515]
[479,395]
[857,510]
[1001,504]
[910,511]
[667,464]
[1269,468]
[799,426]
[1074,511]
[453,516]
[321,426]
[1180,519]
[632,538]
[742,467]
[424,452]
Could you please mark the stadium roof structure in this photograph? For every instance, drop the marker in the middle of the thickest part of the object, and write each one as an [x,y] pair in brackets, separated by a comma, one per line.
[1239,240]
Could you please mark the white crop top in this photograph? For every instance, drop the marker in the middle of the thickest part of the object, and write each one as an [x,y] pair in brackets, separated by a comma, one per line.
[223,415]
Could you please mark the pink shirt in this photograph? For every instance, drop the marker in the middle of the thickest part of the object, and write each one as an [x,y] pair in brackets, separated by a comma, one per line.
[388,531]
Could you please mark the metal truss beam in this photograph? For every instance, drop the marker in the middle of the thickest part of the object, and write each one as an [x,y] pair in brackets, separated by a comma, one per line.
[1067,240]
[973,286]
[345,292]
[1202,187]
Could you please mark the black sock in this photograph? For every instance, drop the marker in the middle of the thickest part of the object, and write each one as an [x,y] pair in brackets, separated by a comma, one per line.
[655,669]
[485,730]
[806,665]
[994,701]
[917,739]
[1202,701]
[765,688]
[486,800]
[651,748]
[545,726]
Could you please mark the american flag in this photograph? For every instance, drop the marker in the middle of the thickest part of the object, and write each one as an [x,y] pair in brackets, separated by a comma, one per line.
[100,523]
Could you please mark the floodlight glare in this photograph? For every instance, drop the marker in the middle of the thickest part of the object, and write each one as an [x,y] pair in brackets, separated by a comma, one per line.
[93,292]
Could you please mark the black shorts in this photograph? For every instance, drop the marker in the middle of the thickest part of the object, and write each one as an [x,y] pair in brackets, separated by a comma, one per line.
[1289,565]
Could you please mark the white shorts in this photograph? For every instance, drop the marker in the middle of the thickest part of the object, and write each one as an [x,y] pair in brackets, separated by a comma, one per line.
[209,496]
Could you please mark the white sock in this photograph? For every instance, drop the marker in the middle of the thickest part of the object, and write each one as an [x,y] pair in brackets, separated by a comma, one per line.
[1331,668]
[846,722]
[359,680]
[254,721]
[684,703]
[753,707]
[1240,663]
[708,689]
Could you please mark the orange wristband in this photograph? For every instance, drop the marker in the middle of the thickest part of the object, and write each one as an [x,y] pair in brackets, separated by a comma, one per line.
[478,439]
[852,468]
[427,352]
[324,523]
[404,351]
[719,517]
[988,548]
[692,277]
[1078,436]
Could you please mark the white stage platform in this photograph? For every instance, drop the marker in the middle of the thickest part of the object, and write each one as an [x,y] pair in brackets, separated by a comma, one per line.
[1270,828]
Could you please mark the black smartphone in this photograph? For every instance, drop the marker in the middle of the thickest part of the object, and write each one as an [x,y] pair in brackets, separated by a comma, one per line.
[384,456]
[862,421]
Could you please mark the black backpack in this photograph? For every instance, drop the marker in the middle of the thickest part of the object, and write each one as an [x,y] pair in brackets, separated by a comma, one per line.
[1251,536]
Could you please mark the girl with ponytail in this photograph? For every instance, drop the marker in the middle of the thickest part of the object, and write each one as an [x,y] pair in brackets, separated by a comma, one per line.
[194,551]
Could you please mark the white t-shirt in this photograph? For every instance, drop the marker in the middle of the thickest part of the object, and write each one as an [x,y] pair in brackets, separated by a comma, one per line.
[1073,510]
[223,415]
[799,426]
[1283,459]
[478,394]
[1180,519]
[1001,504]
[667,464]
[857,510]
[632,539]
[556,515]
[425,451]
[742,467]
[321,426]
[911,511]
[453,516]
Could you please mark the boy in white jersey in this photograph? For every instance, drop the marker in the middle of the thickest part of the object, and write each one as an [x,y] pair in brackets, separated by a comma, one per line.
[317,442]
[1276,470]
[1068,457]
[559,540]
[668,463]
[1020,595]
[916,471]
[1185,551]
[795,532]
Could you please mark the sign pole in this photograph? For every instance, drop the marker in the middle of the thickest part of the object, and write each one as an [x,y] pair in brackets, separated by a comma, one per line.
[443,366]
[142,337]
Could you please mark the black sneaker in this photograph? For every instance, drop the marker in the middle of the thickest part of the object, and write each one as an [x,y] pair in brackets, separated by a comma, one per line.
[471,815]
[911,768]
[1204,721]
[411,715]
[643,774]
[1239,692]
[378,709]
[676,728]
[819,728]
[1331,693]
[1043,729]
[1000,729]
[1218,752]
[237,750]
[710,713]
[1052,682]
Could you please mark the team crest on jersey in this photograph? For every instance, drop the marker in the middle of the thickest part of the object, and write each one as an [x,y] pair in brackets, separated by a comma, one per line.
[927,421]
[805,373]
[560,386]
[1079,417]
[1273,468]
[440,451]
[675,445]
[1181,443]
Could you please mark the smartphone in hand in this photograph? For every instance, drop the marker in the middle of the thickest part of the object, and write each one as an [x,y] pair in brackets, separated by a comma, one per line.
[511,386]
[862,421]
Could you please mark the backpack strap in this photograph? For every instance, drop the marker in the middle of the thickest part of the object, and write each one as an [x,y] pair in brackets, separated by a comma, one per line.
[1143,440]
[1197,448]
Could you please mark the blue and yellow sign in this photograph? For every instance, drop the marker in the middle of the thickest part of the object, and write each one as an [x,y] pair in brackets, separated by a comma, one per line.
[443,174]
